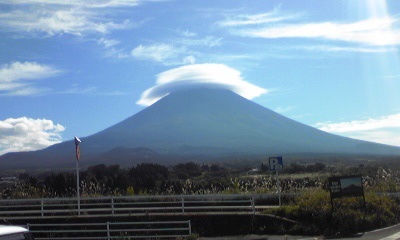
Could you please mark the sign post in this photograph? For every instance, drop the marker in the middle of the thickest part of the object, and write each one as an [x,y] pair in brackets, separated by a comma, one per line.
[276,164]
[346,186]
[78,155]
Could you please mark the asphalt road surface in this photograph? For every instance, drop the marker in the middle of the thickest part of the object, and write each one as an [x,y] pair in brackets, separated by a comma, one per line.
[390,233]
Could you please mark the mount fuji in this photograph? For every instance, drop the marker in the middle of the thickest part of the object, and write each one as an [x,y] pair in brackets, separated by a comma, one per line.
[202,121]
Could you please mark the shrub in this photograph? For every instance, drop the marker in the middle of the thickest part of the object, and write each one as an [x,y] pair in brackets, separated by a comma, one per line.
[314,214]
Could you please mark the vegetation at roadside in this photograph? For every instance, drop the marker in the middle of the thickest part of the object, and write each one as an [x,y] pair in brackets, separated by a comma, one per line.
[313,214]
[193,178]
[153,179]
[309,212]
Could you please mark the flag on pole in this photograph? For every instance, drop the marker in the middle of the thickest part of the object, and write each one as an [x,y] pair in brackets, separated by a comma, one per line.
[77,148]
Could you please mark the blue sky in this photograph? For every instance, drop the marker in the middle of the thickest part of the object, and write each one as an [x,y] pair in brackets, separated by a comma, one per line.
[73,68]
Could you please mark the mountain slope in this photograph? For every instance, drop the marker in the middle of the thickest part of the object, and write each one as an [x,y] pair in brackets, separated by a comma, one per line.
[223,119]
[207,121]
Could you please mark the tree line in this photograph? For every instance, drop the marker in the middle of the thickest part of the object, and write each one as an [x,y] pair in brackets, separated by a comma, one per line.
[191,178]
[102,180]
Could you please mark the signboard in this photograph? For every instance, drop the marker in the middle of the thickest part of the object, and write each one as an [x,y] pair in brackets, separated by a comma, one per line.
[349,186]
[275,163]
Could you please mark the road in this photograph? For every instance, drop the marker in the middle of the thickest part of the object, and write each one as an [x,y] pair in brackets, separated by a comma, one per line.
[390,233]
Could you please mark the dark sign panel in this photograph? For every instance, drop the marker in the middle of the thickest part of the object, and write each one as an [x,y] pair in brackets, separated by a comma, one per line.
[349,186]
[275,163]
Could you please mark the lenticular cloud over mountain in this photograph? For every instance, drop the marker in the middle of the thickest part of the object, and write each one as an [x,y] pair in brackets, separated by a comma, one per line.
[199,75]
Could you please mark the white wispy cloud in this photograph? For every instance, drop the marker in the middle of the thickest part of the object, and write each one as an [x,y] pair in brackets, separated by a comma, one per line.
[79,90]
[52,22]
[391,121]
[107,43]
[376,31]
[359,49]
[166,54]
[78,3]
[91,20]
[27,134]
[111,50]
[178,50]
[208,41]
[245,20]
[156,52]
[210,75]
[188,33]
[62,17]
[384,130]
[16,77]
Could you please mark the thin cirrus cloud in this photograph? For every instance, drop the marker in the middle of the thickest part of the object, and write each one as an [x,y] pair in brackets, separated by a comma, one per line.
[52,22]
[208,75]
[78,3]
[262,18]
[166,54]
[27,134]
[107,43]
[208,41]
[371,31]
[372,129]
[178,52]
[332,48]
[156,52]
[62,17]
[18,78]
[383,31]
[93,20]
[109,46]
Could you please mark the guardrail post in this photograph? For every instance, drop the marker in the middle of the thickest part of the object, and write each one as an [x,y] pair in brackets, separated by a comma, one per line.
[41,207]
[108,231]
[183,204]
[190,228]
[112,206]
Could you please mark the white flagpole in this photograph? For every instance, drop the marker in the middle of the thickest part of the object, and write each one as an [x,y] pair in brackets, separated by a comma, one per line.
[77,149]
[77,187]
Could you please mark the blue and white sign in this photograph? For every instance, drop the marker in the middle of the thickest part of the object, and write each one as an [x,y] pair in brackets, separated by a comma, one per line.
[275,163]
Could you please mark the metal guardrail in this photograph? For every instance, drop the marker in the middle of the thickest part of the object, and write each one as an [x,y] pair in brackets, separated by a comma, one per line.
[112,230]
[128,206]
